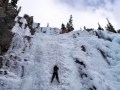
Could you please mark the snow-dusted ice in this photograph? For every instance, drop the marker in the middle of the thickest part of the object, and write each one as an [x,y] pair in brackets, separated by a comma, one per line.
[31,61]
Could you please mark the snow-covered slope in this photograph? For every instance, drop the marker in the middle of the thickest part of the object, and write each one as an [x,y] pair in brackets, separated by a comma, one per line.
[85,61]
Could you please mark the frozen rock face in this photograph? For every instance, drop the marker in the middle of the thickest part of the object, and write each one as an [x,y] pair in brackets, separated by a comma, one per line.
[85,61]
[7,16]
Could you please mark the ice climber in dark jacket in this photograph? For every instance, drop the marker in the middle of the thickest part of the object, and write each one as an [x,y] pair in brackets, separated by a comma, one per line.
[55,73]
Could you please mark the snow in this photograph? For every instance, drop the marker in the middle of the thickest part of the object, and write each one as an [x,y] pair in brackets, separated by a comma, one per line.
[31,61]
[21,30]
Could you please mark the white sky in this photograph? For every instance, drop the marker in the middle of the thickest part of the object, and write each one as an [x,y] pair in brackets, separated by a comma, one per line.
[56,12]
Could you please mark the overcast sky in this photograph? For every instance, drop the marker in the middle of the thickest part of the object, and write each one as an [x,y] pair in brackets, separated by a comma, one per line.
[85,12]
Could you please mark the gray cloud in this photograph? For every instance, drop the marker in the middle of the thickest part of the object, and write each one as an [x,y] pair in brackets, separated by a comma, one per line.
[116,12]
[89,4]
[103,8]
[84,13]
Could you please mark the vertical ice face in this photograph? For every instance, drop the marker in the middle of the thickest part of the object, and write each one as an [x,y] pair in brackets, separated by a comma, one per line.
[81,56]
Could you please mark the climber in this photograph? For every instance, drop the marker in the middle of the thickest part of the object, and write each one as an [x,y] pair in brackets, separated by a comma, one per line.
[55,73]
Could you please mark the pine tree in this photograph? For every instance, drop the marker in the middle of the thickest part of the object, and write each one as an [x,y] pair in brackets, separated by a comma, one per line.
[70,24]
[84,28]
[110,27]
[118,31]
[99,27]
[63,28]
[14,2]
[47,24]
[5,4]
[19,9]
[2,2]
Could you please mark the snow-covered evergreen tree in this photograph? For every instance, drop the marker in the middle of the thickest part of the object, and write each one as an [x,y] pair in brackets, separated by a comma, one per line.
[14,2]
[69,25]
[110,27]
[99,27]
[63,28]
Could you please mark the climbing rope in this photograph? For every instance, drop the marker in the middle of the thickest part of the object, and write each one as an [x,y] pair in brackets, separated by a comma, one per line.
[58,60]
[60,66]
